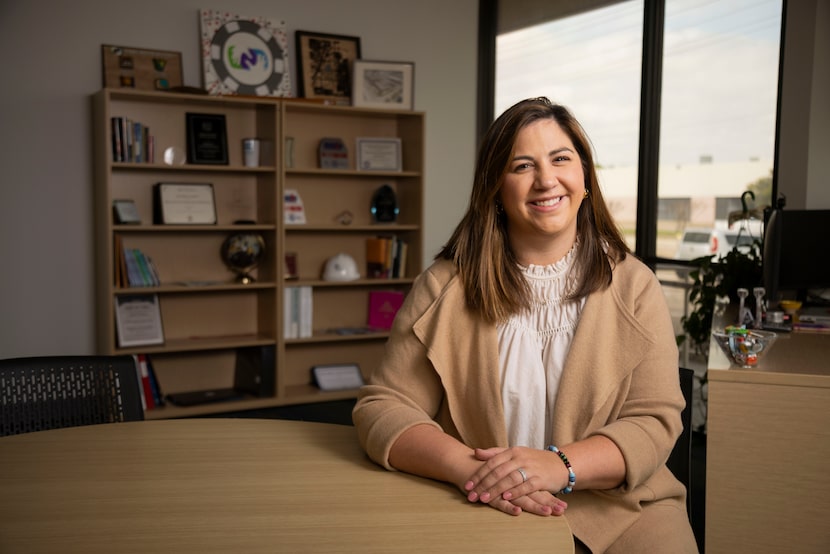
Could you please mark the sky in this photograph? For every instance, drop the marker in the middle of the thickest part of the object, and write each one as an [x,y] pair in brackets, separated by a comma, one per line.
[720,76]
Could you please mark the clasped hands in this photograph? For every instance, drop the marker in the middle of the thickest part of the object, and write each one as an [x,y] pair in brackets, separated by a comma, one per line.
[500,483]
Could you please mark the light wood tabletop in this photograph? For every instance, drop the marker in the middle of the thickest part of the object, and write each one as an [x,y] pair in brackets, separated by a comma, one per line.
[237,486]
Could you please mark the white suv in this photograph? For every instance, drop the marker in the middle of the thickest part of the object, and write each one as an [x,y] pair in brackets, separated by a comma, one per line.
[698,242]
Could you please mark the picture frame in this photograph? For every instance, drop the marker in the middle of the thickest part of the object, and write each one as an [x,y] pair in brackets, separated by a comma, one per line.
[331,377]
[379,154]
[138,320]
[184,204]
[125,212]
[325,65]
[383,84]
[140,68]
[244,55]
[207,139]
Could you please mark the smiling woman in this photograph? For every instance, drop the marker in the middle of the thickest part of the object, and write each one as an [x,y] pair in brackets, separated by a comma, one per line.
[535,362]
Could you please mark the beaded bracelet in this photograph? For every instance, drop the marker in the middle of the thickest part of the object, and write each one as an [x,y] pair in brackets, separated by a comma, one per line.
[571,474]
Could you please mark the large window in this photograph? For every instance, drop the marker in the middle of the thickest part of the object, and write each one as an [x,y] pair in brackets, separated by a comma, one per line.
[590,62]
[716,101]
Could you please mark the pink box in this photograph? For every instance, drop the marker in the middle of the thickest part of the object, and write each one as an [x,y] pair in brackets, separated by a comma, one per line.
[383,306]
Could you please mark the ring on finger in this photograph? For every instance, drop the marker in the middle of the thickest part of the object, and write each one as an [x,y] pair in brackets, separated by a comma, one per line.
[522,473]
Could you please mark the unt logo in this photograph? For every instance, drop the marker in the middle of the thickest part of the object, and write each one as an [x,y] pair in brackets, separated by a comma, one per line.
[247,60]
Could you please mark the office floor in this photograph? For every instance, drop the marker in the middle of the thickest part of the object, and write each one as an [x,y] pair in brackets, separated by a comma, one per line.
[340,412]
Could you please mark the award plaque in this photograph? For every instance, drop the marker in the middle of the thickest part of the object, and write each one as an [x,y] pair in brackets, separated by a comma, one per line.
[207,140]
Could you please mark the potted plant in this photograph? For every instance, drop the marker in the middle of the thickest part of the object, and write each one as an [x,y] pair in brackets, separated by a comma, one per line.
[716,278]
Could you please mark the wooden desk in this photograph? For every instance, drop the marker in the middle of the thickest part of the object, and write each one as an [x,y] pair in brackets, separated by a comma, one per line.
[237,485]
[767,452]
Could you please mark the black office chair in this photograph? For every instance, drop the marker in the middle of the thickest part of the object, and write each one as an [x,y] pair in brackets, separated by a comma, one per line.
[50,392]
[680,459]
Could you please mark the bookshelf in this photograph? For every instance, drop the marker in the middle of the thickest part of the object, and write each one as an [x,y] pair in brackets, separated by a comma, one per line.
[207,317]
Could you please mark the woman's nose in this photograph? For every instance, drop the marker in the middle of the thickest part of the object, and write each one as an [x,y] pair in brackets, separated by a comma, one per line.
[546,176]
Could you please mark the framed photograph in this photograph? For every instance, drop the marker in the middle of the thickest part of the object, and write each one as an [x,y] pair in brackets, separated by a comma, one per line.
[325,64]
[385,85]
[138,68]
[207,139]
[125,212]
[138,320]
[378,154]
[184,204]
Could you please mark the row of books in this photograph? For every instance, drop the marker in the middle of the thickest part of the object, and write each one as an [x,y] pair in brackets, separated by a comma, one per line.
[298,311]
[151,395]
[131,141]
[385,257]
[133,268]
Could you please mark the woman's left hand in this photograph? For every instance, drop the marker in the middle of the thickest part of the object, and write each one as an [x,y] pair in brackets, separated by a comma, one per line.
[513,473]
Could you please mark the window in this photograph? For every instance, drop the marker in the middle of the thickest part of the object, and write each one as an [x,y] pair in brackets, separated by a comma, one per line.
[716,102]
[589,62]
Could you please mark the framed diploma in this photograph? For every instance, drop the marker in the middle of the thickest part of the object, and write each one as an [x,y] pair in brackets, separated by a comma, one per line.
[379,154]
[138,320]
[184,204]
[207,139]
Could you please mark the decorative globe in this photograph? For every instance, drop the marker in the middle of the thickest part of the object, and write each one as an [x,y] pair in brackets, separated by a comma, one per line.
[242,253]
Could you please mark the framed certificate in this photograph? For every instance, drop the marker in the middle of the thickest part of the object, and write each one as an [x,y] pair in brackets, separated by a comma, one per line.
[138,320]
[207,139]
[379,154]
[184,204]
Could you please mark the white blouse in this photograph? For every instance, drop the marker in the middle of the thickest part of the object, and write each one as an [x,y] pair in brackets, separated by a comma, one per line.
[532,350]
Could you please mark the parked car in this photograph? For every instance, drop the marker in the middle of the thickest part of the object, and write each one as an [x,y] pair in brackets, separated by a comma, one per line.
[698,242]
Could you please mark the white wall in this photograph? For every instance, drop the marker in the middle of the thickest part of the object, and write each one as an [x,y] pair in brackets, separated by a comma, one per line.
[52,64]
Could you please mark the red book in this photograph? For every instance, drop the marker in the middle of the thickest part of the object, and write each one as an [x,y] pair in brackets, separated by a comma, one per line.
[383,306]
[145,382]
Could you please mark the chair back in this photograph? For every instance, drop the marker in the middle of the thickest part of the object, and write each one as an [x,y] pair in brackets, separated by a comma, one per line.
[680,459]
[51,392]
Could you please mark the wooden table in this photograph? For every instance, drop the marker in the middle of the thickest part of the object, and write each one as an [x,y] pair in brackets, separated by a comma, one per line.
[237,486]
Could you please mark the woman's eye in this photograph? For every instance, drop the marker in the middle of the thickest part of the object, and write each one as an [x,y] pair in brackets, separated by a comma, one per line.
[521,167]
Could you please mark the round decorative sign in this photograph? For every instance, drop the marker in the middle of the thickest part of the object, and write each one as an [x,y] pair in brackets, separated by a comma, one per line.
[244,56]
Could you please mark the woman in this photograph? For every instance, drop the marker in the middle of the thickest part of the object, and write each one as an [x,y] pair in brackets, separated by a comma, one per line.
[534,364]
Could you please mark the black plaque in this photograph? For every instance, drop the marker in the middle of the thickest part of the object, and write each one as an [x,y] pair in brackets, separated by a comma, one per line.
[207,139]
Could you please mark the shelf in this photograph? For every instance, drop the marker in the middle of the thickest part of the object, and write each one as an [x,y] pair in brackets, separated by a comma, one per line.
[191,228]
[200,344]
[121,166]
[195,288]
[350,173]
[336,228]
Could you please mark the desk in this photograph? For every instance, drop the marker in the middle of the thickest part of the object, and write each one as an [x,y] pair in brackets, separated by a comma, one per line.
[237,486]
[767,450]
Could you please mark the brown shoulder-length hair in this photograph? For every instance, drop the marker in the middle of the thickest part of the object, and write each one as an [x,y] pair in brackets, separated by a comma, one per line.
[493,282]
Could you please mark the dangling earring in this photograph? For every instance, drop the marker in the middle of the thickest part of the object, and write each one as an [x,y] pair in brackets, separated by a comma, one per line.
[586,194]
[499,208]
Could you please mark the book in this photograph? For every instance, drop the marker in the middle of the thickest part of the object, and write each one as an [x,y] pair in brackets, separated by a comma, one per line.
[383,307]
[140,382]
[377,257]
[149,400]
[134,277]
[158,396]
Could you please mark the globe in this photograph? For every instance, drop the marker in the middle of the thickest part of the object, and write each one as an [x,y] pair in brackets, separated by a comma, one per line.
[242,253]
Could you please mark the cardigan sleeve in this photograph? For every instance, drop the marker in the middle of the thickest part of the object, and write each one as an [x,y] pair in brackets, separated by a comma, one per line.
[648,421]
[403,390]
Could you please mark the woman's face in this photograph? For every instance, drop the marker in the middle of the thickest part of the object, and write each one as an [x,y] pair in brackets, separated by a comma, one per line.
[541,193]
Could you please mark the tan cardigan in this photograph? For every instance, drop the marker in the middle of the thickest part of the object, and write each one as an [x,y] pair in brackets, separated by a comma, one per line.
[620,380]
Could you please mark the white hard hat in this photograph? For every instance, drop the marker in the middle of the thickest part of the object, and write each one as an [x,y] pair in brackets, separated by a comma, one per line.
[340,267]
